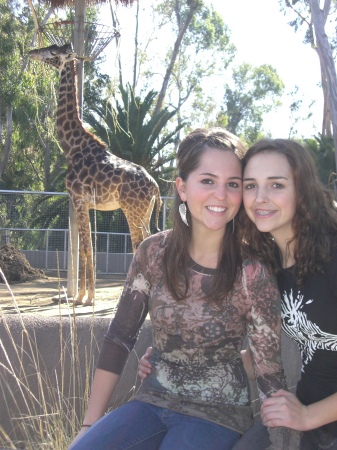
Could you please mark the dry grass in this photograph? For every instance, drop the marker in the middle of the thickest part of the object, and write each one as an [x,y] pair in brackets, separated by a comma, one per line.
[44,407]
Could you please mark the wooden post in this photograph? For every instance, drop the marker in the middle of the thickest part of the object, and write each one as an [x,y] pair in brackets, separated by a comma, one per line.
[73,240]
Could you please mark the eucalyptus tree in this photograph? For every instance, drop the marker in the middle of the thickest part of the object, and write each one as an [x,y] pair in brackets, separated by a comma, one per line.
[317,17]
[204,51]
[254,91]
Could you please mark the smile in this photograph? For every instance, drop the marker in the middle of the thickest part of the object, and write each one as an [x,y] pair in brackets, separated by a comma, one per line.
[263,212]
[216,208]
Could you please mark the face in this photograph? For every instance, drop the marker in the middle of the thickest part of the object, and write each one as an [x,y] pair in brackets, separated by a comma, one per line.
[269,194]
[213,191]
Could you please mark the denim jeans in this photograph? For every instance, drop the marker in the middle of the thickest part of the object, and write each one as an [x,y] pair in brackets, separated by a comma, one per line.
[141,426]
[257,438]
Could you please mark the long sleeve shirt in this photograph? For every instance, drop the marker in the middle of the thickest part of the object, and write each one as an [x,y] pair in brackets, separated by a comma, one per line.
[196,363]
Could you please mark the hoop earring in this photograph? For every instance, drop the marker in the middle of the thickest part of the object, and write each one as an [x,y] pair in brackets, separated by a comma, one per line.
[182,212]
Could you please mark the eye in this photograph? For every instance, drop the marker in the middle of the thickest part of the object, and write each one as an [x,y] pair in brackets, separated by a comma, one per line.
[278,185]
[249,186]
[234,184]
[207,181]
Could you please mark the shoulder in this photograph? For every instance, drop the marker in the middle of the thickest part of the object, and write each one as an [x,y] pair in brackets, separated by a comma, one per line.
[254,268]
[154,243]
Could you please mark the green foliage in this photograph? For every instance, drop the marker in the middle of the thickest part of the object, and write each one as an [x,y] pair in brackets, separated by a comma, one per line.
[322,148]
[254,92]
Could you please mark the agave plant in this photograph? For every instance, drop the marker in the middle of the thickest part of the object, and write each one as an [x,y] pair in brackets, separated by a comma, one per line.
[131,131]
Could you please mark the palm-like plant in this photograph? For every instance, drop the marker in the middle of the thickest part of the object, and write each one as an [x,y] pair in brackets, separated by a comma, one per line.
[130,129]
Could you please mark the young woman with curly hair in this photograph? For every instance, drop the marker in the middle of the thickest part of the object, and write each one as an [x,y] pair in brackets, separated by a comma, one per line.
[296,234]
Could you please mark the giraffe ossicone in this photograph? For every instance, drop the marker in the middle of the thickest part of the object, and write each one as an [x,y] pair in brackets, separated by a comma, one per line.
[96,178]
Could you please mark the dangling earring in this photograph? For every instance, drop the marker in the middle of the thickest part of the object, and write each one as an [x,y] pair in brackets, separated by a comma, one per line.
[182,212]
[233,224]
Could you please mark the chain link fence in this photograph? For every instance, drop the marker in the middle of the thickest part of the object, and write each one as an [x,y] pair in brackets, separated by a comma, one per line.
[37,223]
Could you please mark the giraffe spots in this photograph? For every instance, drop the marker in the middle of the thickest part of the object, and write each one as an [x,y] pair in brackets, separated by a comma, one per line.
[96,151]
[116,180]
[71,176]
[107,184]
[66,126]
[88,180]
[88,160]
[141,195]
[65,146]
[100,177]
[93,170]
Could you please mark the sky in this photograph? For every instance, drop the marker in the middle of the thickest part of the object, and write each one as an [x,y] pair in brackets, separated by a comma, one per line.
[262,35]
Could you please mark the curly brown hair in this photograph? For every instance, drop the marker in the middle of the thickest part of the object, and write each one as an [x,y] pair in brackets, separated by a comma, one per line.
[315,219]
[176,256]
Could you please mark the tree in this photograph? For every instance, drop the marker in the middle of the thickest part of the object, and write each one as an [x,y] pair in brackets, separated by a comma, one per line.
[314,17]
[253,93]
[322,148]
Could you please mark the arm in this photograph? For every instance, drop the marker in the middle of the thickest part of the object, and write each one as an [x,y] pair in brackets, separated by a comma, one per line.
[284,409]
[120,339]
[102,388]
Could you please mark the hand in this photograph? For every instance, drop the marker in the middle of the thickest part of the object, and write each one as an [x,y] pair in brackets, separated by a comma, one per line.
[144,367]
[283,409]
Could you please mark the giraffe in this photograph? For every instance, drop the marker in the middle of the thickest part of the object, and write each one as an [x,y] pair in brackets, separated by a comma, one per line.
[95,179]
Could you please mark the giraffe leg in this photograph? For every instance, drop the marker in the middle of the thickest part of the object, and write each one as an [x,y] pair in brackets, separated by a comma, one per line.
[135,228]
[83,219]
[146,219]
[91,276]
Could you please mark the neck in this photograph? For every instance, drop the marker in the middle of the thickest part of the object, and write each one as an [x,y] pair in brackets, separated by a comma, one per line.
[205,248]
[287,251]
[69,124]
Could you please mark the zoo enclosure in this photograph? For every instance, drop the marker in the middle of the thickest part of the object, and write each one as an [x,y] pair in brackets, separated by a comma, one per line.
[37,223]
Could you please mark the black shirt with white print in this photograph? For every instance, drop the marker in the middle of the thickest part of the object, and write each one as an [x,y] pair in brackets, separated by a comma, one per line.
[309,316]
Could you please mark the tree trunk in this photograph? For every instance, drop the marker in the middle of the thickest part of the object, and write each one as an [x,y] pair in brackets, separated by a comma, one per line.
[193,5]
[136,51]
[326,61]
[8,142]
[326,123]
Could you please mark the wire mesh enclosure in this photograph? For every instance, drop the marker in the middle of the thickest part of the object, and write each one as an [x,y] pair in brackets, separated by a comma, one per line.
[37,223]
[96,36]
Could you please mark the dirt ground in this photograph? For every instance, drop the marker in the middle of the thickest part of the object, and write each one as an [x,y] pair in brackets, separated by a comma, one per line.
[28,290]
[36,297]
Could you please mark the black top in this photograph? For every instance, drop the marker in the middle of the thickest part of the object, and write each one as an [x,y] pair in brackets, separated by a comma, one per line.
[309,316]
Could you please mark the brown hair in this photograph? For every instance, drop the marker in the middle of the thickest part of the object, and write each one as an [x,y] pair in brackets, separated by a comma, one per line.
[176,257]
[315,219]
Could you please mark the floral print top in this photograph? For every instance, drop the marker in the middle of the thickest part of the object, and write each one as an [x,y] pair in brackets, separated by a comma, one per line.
[196,364]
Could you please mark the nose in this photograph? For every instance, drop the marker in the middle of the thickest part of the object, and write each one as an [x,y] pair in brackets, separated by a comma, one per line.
[261,195]
[220,192]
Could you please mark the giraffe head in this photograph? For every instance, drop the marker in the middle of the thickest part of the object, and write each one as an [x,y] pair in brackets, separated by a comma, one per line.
[54,55]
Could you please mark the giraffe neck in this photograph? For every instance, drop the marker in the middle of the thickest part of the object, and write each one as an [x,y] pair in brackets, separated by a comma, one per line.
[72,135]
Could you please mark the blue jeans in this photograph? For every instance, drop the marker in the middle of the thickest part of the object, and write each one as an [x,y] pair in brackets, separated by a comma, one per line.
[141,426]
[257,438]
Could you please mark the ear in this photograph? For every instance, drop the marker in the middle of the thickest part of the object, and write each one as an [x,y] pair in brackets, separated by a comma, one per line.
[180,185]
